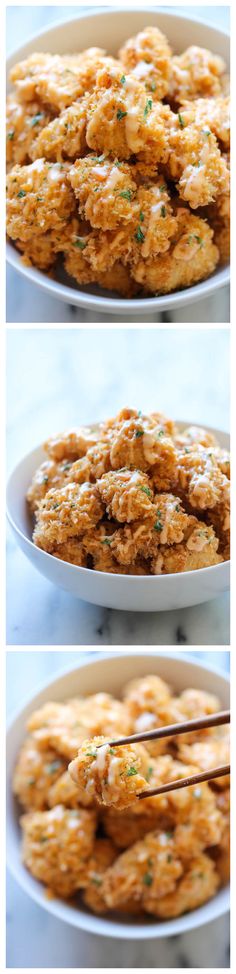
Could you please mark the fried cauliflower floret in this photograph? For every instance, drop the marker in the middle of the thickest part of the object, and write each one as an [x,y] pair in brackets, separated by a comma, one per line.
[199,551]
[141,442]
[155,223]
[200,478]
[35,773]
[192,256]
[167,525]
[57,80]
[57,845]
[209,113]
[64,137]
[199,883]
[72,551]
[39,251]
[58,725]
[194,74]
[72,444]
[24,122]
[63,792]
[195,162]
[38,196]
[65,513]
[198,820]
[126,827]
[118,279]
[49,474]
[209,753]
[126,494]
[105,191]
[97,545]
[146,871]
[123,119]
[104,854]
[147,56]
[112,776]
[195,434]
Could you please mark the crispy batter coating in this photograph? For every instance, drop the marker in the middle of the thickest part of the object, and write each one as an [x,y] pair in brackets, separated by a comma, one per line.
[194,74]
[127,495]
[149,869]
[58,725]
[104,853]
[199,551]
[195,162]
[105,191]
[57,845]
[37,195]
[195,434]
[57,80]
[64,792]
[192,255]
[209,113]
[199,883]
[112,776]
[123,119]
[200,478]
[165,523]
[49,474]
[65,513]
[209,753]
[35,772]
[147,56]
[72,444]
[64,137]
[140,442]
[24,122]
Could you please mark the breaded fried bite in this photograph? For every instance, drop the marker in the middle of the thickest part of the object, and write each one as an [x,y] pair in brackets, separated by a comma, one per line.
[146,872]
[35,773]
[197,73]
[123,119]
[112,776]
[191,257]
[24,122]
[105,191]
[36,194]
[56,847]
[64,137]
[147,57]
[65,513]
[198,884]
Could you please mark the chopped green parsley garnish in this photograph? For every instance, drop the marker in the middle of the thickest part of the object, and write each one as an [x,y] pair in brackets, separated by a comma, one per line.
[80,243]
[161,188]
[127,194]
[169,835]
[31,781]
[139,433]
[141,217]
[123,79]
[181,121]
[148,107]
[131,772]
[148,879]
[96,880]
[45,480]
[146,490]
[36,119]
[106,541]
[177,507]
[11,134]
[139,235]
[54,507]
[158,526]
[169,858]
[21,194]
[50,768]
[120,114]
[91,754]
[111,750]
[153,86]
[149,773]
[163,211]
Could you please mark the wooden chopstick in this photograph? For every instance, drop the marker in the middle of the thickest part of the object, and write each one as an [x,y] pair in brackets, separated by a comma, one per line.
[213,720]
[193,779]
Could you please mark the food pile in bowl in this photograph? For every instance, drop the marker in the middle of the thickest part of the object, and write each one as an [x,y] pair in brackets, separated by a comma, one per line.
[121,165]
[133,496]
[84,829]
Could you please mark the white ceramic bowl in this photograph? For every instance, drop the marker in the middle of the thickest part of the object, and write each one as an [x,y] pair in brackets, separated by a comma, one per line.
[109,674]
[140,593]
[108,29]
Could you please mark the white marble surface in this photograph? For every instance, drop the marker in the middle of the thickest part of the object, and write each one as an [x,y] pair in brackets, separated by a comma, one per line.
[25,301]
[36,939]
[57,378]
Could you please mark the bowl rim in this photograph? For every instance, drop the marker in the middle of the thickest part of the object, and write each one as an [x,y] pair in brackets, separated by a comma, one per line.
[98,303]
[91,923]
[144,579]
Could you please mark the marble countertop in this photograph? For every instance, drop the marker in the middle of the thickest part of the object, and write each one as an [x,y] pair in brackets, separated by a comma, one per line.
[57,378]
[25,301]
[36,939]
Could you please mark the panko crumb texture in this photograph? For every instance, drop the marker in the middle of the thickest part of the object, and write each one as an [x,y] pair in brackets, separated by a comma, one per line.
[86,834]
[120,165]
[133,495]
